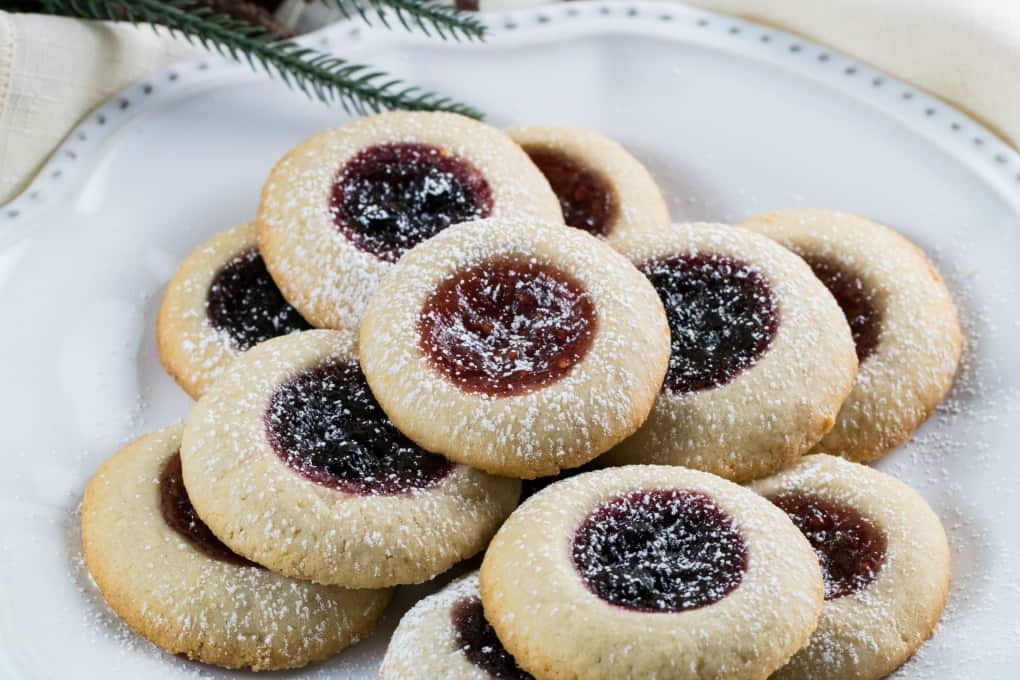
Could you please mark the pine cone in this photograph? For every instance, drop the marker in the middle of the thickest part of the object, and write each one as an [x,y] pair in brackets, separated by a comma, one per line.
[256,12]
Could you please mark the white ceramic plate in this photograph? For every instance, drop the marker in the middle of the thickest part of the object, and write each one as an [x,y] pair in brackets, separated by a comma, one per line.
[731,117]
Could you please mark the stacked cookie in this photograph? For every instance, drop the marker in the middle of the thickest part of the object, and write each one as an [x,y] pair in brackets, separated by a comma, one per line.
[428,311]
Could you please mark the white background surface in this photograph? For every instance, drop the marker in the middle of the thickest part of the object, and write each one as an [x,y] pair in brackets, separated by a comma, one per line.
[730,124]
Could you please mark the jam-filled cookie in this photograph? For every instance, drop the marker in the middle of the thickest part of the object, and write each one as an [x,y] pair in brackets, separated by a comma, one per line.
[515,346]
[761,356]
[290,461]
[166,574]
[884,558]
[602,188]
[650,571]
[447,636]
[221,302]
[340,208]
[904,324]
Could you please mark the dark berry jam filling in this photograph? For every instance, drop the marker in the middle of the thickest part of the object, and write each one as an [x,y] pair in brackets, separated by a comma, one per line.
[390,197]
[507,327]
[849,546]
[180,515]
[587,200]
[854,298]
[722,317]
[325,424]
[660,551]
[244,303]
[478,641]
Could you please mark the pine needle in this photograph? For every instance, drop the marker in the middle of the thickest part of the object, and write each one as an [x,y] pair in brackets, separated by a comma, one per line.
[356,87]
[427,16]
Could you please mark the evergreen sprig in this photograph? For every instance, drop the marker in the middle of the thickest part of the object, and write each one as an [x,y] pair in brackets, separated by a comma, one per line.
[356,87]
[426,15]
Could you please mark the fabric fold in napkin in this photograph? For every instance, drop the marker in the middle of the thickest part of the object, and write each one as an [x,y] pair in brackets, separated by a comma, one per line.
[54,70]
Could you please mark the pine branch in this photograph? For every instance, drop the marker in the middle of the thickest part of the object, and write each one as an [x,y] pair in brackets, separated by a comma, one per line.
[426,15]
[356,87]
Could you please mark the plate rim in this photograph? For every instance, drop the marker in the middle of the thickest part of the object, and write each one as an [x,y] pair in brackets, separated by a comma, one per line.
[949,128]
[197,78]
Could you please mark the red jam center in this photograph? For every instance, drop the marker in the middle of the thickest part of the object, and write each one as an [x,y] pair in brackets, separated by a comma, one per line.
[325,424]
[722,317]
[849,546]
[390,197]
[243,302]
[586,198]
[180,515]
[660,551]
[507,327]
[477,640]
[854,298]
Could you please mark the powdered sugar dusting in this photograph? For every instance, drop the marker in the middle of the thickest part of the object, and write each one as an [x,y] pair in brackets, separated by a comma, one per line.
[245,304]
[969,430]
[770,319]
[918,343]
[326,424]
[507,327]
[586,198]
[602,188]
[167,587]
[855,299]
[389,198]
[430,641]
[564,424]
[265,510]
[722,317]
[850,548]
[326,275]
[870,624]
[544,613]
[220,303]
[660,551]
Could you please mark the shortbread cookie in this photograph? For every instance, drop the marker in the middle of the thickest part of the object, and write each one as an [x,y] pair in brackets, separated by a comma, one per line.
[340,208]
[221,302]
[885,561]
[290,461]
[602,188]
[650,572]
[761,357]
[515,346]
[162,571]
[446,637]
[529,487]
[903,319]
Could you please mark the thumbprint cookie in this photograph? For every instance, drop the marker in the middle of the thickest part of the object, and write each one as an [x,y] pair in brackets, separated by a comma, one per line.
[340,208]
[905,327]
[650,571]
[529,487]
[166,574]
[220,303]
[515,346]
[602,188]
[447,636]
[884,558]
[761,356]
[290,461]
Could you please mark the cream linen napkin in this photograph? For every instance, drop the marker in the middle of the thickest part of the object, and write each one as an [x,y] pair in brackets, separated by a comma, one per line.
[53,70]
[964,51]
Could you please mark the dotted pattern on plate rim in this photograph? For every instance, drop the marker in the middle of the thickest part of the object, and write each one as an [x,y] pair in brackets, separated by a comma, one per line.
[988,145]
